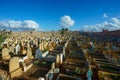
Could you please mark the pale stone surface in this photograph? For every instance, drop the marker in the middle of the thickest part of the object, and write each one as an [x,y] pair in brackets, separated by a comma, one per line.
[14,67]
[17,49]
[57,59]
[61,58]
[29,53]
[53,65]
[13,64]
[38,54]
[5,53]
[11,49]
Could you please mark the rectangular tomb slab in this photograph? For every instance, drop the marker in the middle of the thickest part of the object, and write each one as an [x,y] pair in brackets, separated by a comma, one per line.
[66,77]
[14,67]
[39,69]
[109,68]
[16,73]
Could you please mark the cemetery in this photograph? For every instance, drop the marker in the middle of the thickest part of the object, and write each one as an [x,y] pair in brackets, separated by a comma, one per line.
[42,56]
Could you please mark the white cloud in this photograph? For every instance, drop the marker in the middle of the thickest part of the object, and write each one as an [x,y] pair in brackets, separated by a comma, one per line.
[113,24]
[66,21]
[115,20]
[19,25]
[105,15]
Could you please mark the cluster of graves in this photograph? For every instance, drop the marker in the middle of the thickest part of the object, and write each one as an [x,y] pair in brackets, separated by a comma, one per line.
[47,56]
[23,52]
[106,58]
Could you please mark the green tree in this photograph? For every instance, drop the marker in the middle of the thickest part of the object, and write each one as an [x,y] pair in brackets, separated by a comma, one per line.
[66,31]
[62,31]
[33,30]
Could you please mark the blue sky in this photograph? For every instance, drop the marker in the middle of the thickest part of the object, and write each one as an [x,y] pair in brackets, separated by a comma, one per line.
[48,13]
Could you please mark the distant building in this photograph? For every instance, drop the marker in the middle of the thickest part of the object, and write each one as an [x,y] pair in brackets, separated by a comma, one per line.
[115,33]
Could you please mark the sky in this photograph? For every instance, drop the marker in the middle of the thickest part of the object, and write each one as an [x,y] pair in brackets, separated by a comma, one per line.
[47,15]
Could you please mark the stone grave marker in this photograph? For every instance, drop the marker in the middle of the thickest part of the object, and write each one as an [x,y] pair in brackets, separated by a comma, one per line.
[17,49]
[38,54]
[29,53]
[11,48]
[14,67]
[5,53]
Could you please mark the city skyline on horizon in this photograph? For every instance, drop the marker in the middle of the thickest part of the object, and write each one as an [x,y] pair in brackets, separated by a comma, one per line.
[47,15]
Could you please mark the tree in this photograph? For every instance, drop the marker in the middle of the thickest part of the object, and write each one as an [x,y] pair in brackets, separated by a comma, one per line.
[62,31]
[10,31]
[66,30]
[33,30]
[4,31]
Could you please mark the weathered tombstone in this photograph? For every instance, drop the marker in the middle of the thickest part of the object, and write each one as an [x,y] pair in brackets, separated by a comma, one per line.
[46,44]
[28,44]
[57,59]
[56,70]
[5,45]
[16,41]
[17,48]
[5,53]
[38,54]
[22,47]
[53,65]
[11,48]
[29,53]
[40,46]
[14,67]
[64,50]
[61,58]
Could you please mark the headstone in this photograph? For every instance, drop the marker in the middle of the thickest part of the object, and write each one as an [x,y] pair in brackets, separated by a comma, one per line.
[12,48]
[28,44]
[38,54]
[14,67]
[61,58]
[57,59]
[13,64]
[29,53]
[17,49]
[5,45]
[64,50]
[22,46]
[56,70]
[53,65]
[5,53]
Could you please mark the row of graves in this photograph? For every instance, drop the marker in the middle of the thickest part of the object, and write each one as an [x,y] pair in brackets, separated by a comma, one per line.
[26,56]
[46,68]
[73,64]
[105,59]
[56,56]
